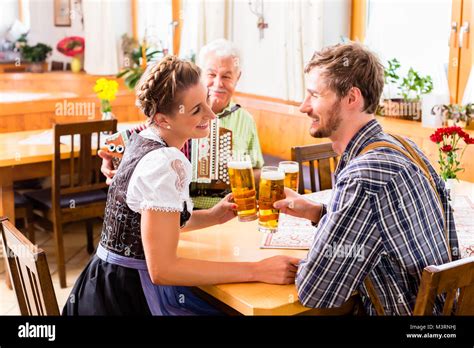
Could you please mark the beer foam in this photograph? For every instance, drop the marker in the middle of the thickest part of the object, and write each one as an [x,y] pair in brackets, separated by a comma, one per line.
[274,175]
[239,164]
[289,168]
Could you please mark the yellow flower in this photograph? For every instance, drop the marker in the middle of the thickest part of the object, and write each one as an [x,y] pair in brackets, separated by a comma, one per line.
[106,89]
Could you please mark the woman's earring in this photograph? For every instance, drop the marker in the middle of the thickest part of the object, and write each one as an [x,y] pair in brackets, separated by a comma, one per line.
[168,127]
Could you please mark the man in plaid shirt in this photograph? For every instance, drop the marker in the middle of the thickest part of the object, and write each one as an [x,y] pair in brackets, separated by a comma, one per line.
[384,221]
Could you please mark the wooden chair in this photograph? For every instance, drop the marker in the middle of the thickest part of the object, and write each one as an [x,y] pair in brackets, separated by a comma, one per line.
[323,154]
[57,66]
[24,211]
[456,280]
[85,195]
[29,271]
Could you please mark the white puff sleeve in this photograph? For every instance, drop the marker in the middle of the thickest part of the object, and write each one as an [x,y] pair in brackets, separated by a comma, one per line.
[160,181]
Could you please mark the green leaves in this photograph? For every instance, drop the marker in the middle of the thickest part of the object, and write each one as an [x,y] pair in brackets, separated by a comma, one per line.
[415,83]
[37,53]
[390,73]
[412,86]
[132,75]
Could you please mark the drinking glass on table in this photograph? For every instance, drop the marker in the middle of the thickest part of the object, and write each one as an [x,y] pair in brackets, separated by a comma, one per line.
[291,170]
[271,189]
[242,183]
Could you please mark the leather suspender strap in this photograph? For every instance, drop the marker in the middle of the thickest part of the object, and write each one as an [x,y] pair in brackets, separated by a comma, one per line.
[410,153]
[232,110]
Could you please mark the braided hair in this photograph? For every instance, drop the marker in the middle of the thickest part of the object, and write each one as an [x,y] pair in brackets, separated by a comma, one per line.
[161,85]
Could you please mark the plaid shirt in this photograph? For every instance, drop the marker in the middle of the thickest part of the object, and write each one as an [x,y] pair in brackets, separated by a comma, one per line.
[384,221]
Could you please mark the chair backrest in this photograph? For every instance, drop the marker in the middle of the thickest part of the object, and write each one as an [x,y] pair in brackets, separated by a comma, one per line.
[82,167]
[57,66]
[456,280]
[29,272]
[326,160]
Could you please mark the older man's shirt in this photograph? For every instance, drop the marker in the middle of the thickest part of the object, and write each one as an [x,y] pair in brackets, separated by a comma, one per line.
[244,133]
[383,221]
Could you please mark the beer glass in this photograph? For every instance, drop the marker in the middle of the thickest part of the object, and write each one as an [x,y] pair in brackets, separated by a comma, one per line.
[271,189]
[242,183]
[291,170]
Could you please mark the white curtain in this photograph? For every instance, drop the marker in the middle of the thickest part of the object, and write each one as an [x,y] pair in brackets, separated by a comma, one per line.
[205,21]
[272,66]
[303,35]
[100,56]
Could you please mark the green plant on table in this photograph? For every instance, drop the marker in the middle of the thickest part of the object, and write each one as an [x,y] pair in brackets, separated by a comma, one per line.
[35,54]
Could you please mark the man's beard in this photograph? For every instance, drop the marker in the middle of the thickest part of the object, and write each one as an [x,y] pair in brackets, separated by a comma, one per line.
[333,122]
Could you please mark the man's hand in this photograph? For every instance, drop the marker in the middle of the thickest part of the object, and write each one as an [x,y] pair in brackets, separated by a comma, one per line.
[107,167]
[296,205]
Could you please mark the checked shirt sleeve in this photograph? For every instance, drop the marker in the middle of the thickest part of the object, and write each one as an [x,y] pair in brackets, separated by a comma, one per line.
[345,249]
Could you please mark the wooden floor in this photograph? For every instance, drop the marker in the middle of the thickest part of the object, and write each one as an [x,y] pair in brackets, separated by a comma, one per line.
[76,259]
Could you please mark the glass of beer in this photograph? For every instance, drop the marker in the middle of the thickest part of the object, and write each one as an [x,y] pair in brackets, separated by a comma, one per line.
[242,183]
[291,170]
[271,189]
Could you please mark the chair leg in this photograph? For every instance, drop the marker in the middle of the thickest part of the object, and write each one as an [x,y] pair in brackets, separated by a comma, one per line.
[90,236]
[58,237]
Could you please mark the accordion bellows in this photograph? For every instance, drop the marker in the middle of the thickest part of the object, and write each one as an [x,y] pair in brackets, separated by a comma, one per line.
[209,156]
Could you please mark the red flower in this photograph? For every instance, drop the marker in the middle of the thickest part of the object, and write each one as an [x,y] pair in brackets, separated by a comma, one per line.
[436,138]
[446,148]
[468,140]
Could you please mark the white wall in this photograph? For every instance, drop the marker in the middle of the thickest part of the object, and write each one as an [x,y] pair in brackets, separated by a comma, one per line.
[43,29]
[336,21]
[8,13]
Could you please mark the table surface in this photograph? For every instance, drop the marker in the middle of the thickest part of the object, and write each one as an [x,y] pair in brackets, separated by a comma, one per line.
[26,147]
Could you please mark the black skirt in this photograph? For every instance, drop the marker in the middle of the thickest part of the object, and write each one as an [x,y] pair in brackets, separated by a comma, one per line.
[107,289]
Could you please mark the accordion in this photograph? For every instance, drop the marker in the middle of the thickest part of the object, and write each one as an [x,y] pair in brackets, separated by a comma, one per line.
[209,156]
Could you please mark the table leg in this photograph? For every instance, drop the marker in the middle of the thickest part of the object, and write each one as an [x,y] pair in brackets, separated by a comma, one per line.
[7,206]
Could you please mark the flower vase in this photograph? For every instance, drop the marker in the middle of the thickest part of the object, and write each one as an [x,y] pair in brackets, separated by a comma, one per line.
[76,64]
[451,185]
[107,115]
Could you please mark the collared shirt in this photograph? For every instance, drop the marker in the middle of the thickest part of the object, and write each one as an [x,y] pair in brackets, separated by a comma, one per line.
[244,133]
[383,221]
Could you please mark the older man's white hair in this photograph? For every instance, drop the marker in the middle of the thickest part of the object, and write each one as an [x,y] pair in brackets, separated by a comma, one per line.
[221,48]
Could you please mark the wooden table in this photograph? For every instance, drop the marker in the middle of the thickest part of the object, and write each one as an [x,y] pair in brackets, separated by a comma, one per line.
[239,242]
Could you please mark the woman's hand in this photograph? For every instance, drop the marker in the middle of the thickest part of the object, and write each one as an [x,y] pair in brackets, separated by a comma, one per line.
[107,167]
[277,270]
[296,205]
[224,211]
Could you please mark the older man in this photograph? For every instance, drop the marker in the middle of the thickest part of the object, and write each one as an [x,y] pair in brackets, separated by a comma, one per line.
[389,217]
[220,64]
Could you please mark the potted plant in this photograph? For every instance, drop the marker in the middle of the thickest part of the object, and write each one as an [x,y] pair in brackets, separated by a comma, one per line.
[457,113]
[449,146]
[36,55]
[411,88]
[135,68]
[73,46]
